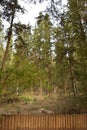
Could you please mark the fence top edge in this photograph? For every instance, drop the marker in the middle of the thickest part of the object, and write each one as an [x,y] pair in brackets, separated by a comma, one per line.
[45,114]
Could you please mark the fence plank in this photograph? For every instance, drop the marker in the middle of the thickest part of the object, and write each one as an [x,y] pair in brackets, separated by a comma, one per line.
[44,122]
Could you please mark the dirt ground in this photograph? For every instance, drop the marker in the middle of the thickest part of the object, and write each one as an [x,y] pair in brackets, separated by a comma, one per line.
[28,104]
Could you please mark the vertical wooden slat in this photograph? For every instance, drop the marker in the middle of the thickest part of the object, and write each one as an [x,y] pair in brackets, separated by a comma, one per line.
[60,121]
[25,122]
[18,121]
[22,123]
[74,120]
[85,121]
[9,122]
[83,125]
[71,122]
[6,122]
[47,122]
[3,121]
[41,122]
[80,122]
[38,122]
[57,122]
[15,122]
[54,122]
[29,121]
[34,122]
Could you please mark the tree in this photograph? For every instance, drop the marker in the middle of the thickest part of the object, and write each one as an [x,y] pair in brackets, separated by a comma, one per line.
[1,46]
[9,10]
[79,30]
[43,49]
[1,41]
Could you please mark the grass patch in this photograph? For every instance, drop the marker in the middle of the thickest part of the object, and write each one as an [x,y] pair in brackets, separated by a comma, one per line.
[27,98]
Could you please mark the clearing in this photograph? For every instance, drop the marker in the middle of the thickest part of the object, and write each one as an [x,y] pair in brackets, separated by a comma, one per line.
[30,103]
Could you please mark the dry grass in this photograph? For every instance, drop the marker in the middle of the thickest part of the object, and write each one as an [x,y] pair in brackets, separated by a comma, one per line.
[30,103]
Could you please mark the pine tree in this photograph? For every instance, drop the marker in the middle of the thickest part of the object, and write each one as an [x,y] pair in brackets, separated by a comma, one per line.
[43,49]
[77,9]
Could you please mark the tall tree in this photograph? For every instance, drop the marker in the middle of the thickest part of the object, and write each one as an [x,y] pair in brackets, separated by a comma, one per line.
[77,15]
[1,41]
[8,12]
[9,8]
[43,47]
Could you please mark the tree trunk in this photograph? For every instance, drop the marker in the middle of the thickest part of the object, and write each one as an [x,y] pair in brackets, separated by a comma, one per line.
[8,44]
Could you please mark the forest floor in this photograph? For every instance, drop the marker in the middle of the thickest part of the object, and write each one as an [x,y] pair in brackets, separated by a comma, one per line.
[38,104]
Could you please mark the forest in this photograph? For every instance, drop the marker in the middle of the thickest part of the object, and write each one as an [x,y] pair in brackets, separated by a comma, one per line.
[48,59]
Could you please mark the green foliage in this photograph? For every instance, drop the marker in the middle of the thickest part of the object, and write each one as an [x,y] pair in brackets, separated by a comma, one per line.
[27,99]
[50,57]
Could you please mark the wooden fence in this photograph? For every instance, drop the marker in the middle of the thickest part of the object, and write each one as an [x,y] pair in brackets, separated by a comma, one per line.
[44,122]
